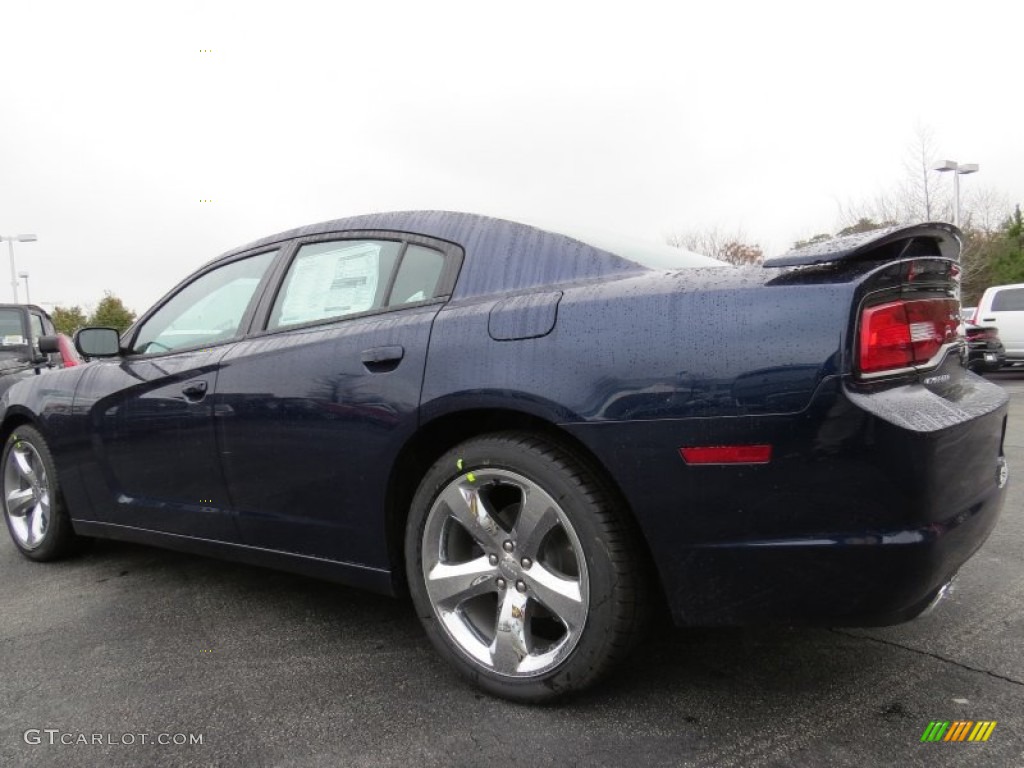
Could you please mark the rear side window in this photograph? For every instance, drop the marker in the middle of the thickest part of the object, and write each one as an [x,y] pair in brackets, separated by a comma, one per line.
[1008,300]
[418,276]
[347,277]
[328,280]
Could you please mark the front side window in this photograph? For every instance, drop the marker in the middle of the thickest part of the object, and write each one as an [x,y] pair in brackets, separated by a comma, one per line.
[206,311]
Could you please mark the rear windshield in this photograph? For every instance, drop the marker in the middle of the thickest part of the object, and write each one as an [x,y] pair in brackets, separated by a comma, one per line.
[1009,300]
[645,253]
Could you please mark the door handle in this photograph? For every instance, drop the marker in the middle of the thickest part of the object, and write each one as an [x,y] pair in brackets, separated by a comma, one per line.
[988,319]
[194,391]
[382,359]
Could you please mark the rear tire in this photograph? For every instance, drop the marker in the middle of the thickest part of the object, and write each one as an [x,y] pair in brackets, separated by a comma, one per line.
[524,572]
[33,505]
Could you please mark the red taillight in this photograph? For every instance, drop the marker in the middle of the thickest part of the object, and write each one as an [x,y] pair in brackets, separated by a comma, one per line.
[905,333]
[980,334]
[727,454]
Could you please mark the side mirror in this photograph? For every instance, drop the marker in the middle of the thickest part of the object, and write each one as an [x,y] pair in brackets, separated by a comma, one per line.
[49,345]
[98,342]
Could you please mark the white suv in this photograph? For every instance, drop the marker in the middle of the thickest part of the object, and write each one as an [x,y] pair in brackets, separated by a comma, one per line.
[1003,306]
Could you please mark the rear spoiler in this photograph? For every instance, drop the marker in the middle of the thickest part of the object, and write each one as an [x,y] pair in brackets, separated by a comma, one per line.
[929,239]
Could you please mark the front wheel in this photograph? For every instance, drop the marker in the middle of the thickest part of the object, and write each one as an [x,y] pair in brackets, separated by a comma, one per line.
[524,572]
[33,505]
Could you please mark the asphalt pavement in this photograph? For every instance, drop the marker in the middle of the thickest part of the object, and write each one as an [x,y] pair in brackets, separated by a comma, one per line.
[131,646]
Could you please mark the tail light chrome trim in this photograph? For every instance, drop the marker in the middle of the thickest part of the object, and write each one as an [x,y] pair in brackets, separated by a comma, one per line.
[906,335]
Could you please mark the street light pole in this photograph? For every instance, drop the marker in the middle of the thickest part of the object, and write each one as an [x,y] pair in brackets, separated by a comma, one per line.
[28,296]
[14,278]
[10,248]
[958,169]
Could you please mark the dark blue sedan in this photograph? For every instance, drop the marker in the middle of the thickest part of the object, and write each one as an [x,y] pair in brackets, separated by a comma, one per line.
[540,436]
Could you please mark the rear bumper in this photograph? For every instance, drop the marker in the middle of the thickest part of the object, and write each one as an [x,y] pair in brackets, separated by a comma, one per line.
[985,356]
[870,505]
[878,578]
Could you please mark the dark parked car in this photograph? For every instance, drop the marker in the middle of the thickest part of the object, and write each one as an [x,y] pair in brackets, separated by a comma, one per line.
[541,437]
[985,351]
[27,339]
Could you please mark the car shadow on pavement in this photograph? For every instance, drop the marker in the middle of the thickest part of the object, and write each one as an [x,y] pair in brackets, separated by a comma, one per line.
[281,669]
[311,613]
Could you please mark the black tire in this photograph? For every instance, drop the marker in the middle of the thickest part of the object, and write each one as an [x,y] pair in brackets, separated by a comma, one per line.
[40,527]
[555,651]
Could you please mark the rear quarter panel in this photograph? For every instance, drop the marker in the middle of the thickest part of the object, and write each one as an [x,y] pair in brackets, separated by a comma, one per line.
[635,368]
[696,343]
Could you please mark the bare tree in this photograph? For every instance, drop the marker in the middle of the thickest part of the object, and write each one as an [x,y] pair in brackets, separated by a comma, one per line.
[885,208]
[741,254]
[729,246]
[984,209]
[921,197]
[708,241]
[918,196]
[821,237]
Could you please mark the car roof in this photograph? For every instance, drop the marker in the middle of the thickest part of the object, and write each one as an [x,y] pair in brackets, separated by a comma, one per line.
[32,307]
[502,255]
[995,288]
[22,306]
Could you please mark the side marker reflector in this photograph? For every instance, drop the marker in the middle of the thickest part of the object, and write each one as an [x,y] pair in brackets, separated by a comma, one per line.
[727,454]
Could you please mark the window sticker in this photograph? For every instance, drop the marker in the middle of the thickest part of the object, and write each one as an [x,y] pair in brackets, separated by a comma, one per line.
[12,340]
[341,281]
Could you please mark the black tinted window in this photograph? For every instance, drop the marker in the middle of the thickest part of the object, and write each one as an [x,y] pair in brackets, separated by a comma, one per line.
[1008,300]
[13,344]
[418,275]
[12,333]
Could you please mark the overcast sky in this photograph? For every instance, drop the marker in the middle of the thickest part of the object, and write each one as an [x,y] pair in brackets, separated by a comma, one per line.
[646,118]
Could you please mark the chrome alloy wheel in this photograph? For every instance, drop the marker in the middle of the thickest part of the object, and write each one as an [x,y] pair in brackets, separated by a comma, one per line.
[26,495]
[505,573]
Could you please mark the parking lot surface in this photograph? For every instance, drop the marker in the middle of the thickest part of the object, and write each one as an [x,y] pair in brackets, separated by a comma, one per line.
[131,646]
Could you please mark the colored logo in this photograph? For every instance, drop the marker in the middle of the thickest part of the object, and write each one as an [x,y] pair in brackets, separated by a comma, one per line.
[958,730]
